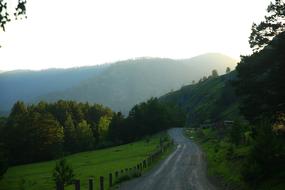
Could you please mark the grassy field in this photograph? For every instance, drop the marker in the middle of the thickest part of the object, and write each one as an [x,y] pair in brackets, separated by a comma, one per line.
[94,163]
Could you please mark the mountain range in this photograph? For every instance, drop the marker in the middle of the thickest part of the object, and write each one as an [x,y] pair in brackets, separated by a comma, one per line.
[119,85]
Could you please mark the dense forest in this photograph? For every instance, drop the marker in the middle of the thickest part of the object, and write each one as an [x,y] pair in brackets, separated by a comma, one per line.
[45,131]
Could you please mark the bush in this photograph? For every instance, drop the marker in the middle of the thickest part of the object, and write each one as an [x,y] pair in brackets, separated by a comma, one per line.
[63,172]
[266,158]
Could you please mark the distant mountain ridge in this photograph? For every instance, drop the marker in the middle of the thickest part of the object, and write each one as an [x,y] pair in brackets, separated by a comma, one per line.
[119,85]
[26,85]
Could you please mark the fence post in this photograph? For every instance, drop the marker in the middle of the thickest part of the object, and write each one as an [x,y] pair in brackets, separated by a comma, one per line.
[90,183]
[59,186]
[77,184]
[116,174]
[110,179]
[101,183]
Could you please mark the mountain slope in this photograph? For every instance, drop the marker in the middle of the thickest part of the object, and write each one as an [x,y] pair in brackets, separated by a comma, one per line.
[119,86]
[27,85]
[213,99]
[130,82]
[208,62]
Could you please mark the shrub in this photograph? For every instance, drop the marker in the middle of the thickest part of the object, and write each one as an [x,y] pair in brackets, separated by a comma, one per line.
[63,172]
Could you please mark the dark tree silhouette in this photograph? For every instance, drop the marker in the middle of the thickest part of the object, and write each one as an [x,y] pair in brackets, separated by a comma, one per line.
[273,25]
[215,73]
[228,70]
[5,16]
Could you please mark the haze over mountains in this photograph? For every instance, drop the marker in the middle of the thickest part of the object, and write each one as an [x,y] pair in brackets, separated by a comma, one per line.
[119,86]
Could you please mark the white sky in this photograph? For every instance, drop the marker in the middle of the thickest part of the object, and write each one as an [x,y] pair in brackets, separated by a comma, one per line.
[69,33]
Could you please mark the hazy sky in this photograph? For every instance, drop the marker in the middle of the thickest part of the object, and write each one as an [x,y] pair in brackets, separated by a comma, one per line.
[69,33]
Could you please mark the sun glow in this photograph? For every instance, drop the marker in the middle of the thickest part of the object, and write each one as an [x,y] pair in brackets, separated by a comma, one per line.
[70,33]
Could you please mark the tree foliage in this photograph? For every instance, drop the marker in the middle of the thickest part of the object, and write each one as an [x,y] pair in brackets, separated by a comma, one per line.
[260,84]
[266,158]
[146,118]
[274,24]
[63,172]
[46,131]
[261,89]
[228,70]
[215,73]
[5,16]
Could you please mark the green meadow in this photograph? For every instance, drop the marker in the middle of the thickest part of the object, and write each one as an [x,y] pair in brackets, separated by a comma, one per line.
[86,164]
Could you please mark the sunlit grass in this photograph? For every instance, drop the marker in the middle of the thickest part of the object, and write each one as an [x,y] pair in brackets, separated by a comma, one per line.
[93,163]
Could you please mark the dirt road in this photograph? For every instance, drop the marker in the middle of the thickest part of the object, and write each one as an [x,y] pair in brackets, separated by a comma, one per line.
[184,169]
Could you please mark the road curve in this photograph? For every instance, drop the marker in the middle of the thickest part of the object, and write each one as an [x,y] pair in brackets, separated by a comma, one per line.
[184,169]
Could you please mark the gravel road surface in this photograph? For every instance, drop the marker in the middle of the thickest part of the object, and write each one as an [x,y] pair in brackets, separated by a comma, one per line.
[184,169]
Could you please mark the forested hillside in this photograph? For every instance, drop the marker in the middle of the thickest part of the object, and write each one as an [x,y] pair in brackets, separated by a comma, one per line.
[127,83]
[119,86]
[210,100]
[26,85]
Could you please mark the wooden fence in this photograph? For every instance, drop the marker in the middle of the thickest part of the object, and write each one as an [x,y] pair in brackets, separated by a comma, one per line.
[121,174]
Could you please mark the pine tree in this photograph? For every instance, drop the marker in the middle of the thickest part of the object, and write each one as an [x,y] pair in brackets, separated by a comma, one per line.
[274,24]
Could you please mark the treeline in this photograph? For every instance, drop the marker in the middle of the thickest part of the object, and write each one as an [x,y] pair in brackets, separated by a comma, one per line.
[46,131]
[144,119]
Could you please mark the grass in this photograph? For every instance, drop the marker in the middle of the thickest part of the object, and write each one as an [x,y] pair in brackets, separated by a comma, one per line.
[86,164]
[225,162]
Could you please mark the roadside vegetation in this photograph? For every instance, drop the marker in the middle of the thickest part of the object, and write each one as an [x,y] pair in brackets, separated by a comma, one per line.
[232,161]
[239,118]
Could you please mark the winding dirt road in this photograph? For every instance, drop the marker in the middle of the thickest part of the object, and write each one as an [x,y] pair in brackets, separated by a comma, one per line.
[184,169]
